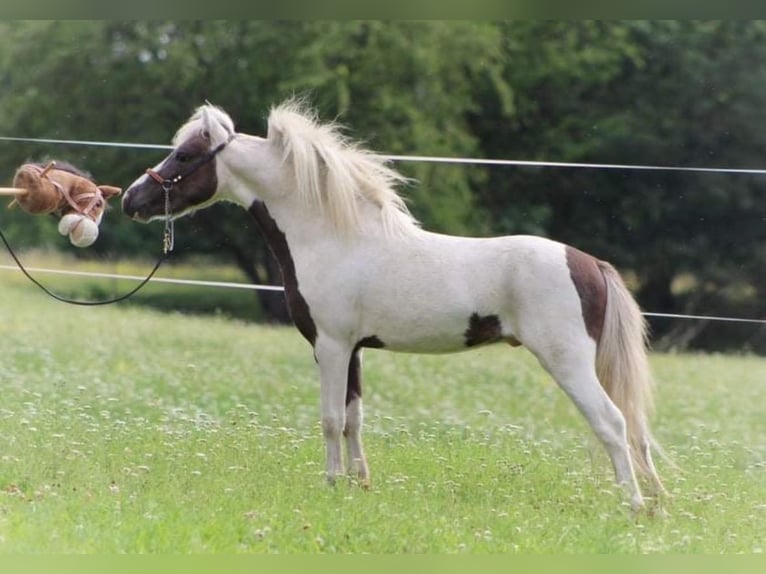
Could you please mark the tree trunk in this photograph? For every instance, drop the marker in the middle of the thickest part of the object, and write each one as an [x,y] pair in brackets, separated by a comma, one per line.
[655,296]
[251,260]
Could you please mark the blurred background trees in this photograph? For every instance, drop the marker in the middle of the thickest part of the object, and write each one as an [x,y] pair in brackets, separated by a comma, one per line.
[628,92]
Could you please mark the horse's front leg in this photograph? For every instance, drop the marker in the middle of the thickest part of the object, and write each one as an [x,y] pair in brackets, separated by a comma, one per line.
[333,360]
[357,464]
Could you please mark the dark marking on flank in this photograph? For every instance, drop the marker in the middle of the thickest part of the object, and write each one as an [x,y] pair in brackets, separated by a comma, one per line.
[591,287]
[483,330]
[370,342]
[296,304]
[354,383]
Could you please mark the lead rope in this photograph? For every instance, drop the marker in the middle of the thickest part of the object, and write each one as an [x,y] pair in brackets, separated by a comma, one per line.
[168,242]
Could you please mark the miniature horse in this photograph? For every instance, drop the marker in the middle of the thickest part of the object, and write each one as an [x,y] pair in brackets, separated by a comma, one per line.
[360,272]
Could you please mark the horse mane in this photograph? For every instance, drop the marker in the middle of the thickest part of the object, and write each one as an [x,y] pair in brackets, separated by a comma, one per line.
[336,174]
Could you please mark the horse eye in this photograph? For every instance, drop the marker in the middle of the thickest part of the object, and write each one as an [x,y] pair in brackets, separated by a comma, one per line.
[182,156]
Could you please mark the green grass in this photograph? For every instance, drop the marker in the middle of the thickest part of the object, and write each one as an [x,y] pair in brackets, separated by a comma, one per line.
[128,430]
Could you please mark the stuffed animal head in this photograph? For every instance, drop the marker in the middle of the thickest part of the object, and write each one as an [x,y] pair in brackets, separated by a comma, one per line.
[62,189]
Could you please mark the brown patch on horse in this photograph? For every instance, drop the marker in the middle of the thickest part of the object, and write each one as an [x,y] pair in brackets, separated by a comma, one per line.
[372,342]
[277,242]
[354,383]
[591,287]
[483,330]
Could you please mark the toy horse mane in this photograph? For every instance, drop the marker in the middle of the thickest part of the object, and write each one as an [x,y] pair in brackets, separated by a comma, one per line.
[335,173]
[66,166]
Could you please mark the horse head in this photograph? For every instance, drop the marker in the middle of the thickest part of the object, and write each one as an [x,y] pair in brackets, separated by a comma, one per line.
[63,190]
[187,179]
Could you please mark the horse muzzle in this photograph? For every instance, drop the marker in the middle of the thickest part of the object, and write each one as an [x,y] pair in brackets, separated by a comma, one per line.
[135,207]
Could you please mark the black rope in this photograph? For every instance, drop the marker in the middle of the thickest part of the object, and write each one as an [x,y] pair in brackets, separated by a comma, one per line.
[76,301]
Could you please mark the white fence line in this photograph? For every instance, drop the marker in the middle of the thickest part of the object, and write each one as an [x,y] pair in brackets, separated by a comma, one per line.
[438,159]
[193,282]
[258,287]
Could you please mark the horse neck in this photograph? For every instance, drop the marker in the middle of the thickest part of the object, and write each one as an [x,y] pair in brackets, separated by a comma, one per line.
[255,172]
[303,225]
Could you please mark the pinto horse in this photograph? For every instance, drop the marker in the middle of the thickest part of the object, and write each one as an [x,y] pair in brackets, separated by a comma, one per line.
[360,272]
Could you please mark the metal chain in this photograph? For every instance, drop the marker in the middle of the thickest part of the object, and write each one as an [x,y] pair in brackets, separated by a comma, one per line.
[169,233]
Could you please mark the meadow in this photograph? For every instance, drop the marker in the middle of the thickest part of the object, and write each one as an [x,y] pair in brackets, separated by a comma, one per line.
[129,430]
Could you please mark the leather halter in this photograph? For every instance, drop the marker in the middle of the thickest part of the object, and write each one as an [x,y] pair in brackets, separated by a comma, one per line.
[94,197]
[168,183]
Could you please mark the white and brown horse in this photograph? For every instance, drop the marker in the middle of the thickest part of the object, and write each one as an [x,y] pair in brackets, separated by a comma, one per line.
[360,272]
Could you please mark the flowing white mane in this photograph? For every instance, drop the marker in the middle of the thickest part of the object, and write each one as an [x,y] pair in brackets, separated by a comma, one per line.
[336,174]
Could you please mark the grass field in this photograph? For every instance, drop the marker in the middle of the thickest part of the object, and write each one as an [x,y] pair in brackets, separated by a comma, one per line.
[128,430]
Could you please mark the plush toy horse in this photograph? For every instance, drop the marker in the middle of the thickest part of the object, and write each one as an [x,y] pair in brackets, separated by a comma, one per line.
[62,189]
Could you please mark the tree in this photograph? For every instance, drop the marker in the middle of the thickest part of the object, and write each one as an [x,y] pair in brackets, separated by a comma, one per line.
[656,93]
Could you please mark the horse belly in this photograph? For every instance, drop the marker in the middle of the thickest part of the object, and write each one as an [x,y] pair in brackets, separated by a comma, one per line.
[423,336]
[441,320]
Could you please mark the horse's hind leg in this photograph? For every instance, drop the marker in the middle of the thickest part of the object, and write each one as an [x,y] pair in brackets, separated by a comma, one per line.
[574,371]
[357,464]
[645,455]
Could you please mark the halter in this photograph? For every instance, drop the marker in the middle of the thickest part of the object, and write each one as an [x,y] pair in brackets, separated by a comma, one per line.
[94,197]
[167,183]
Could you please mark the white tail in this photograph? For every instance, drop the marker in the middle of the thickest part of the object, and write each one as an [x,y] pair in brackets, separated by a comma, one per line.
[623,369]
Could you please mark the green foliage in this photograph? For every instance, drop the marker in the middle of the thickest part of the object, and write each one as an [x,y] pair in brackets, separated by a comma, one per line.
[129,431]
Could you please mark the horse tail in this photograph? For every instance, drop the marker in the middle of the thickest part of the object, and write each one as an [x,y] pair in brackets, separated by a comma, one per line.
[622,367]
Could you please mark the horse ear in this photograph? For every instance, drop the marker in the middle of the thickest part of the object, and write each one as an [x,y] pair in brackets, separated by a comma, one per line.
[110,191]
[214,129]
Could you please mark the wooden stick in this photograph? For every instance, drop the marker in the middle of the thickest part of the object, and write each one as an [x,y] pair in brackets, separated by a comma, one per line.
[48,167]
[13,191]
